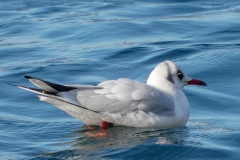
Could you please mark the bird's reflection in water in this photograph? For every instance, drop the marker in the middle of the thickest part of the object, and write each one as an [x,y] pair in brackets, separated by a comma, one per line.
[129,136]
[119,139]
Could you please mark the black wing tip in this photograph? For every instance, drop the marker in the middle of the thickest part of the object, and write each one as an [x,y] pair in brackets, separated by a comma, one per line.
[15,85]
[28,77]
[12,84]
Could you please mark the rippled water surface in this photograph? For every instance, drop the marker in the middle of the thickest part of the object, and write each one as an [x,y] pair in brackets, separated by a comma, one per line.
[86,42]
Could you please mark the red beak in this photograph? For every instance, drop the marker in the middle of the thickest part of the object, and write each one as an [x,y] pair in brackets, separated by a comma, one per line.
[196,82]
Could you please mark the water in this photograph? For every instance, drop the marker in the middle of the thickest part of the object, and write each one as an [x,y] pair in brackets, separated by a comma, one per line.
[69,41]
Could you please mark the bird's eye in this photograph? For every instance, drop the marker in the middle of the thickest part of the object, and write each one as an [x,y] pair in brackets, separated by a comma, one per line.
[180,75]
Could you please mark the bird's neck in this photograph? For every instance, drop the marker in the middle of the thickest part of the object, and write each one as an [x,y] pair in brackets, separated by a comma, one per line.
[161,83]
[167,88]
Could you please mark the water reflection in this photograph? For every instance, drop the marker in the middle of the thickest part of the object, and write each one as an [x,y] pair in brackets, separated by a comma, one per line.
[127,141]
[128,136]
[119,139]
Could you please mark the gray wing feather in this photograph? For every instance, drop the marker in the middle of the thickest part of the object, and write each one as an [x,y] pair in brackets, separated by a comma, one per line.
[121,96]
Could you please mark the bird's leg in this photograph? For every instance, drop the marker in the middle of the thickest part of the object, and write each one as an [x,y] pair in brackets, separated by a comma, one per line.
[104,126]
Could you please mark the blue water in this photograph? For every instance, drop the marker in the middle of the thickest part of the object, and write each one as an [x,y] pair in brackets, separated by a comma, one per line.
[86,42]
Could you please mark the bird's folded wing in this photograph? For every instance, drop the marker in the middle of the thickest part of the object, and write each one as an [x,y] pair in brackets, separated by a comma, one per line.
[121,96]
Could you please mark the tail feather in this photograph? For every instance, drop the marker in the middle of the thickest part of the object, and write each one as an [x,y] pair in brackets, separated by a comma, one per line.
[35,90]
[49,92]
[48,86]
[48,95]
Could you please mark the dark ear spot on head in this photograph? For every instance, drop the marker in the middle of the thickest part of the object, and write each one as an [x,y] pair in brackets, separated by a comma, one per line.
[169,76]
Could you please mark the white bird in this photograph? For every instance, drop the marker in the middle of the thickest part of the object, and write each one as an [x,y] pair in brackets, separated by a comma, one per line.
[158,103]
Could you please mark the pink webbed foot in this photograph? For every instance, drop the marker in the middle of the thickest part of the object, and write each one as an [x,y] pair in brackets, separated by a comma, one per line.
[97,135]
[104,126]
[91,127]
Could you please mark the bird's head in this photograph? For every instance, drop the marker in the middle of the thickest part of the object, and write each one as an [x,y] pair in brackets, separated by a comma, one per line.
[170,73]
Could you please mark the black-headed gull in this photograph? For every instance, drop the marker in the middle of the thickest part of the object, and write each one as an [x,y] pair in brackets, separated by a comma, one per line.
[158,103]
